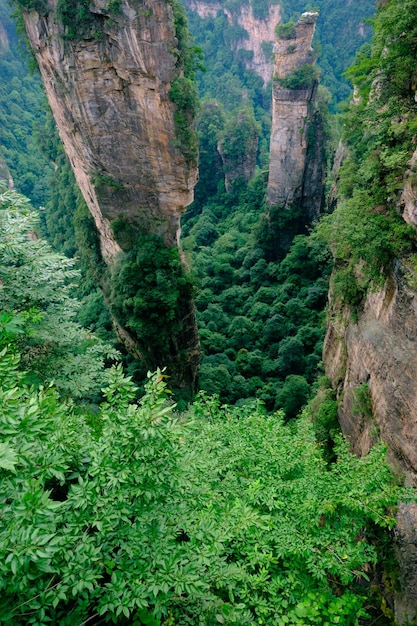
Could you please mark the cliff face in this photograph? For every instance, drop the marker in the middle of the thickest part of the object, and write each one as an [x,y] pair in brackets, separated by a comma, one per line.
[376,352]
[109,92]
[259,31]
[109,89]
[296,171]
[380,350]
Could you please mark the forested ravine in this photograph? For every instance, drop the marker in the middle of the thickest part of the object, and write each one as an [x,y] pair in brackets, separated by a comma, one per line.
[234,229]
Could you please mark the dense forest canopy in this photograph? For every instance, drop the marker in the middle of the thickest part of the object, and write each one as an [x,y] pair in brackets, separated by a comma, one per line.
[119,506]
[128,511]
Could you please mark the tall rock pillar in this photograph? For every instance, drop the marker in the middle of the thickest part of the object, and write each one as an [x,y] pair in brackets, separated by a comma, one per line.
[115,73]
[296,171]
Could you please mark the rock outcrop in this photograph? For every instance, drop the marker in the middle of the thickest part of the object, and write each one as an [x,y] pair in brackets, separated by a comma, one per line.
[261,32]
[108,77]
[375,351]
[379,351]
[296,171]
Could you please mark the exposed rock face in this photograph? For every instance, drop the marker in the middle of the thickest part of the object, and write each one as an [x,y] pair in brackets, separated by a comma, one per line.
[296,171]
[379,348]
[259,31]
[408,201]
[109,90]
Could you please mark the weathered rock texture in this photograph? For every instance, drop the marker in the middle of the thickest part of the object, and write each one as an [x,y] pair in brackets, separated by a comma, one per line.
[259,31]
[296,171]
[109,90]
[378,347]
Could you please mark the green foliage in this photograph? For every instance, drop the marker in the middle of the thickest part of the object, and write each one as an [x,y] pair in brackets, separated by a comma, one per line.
[114,6]
[32,5]
[229,517]
[286,30]
[183,90]
[324,413]
[124,232]
[184,95]
[302,77]
[366,232]
[238,144]
[294,394]
[362,403]
[261,8]
[22,111]
[37,283]
[277,228]
[394,47]
[226,517]
[148,291]
[76,17]
[260,300]
[364,243]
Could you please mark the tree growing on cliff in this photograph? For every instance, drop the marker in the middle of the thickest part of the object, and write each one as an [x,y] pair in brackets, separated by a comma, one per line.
[366,232]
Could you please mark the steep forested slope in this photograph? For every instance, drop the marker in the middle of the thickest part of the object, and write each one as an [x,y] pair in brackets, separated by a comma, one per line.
[132,513]
[370,349]
[22,114]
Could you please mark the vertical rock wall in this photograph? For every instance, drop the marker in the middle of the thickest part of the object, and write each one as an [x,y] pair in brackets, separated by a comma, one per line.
[259,31]
[377,347]
[109,90]
[296,170]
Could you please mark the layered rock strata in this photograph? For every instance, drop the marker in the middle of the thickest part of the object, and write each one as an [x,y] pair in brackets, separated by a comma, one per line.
[109,90]
[296,171]
[259,31]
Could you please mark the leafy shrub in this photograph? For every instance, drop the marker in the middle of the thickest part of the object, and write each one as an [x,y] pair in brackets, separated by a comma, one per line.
[184,94]
[286,30]
[301,77]
[76,16]
[32,5]
[38,283]
[149,294]
[227,517]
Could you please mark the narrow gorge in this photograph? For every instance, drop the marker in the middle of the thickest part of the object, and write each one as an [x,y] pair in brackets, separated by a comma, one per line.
[283,492]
